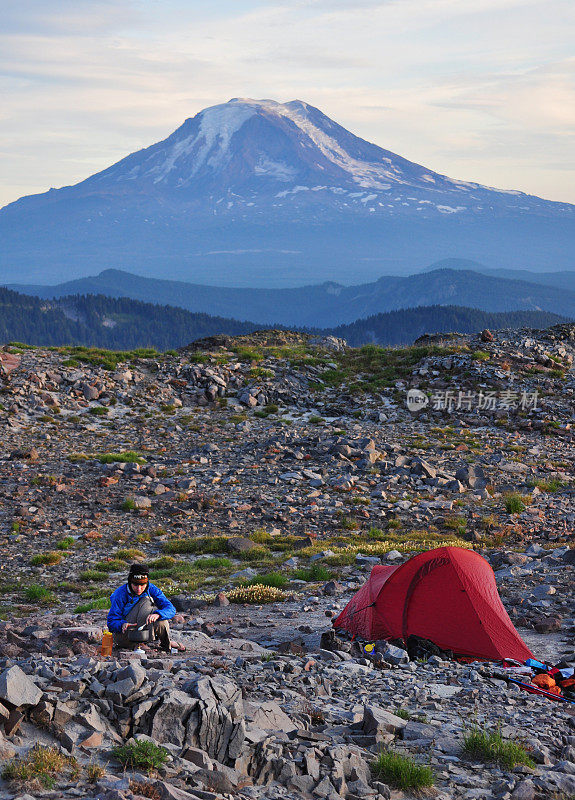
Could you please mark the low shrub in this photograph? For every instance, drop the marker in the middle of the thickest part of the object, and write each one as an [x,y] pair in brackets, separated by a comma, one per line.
[110,565]
[41,765]
[255,554]
[142,754]
[164,562]
[129,554]
[256,594]
[212,564]
[551,486]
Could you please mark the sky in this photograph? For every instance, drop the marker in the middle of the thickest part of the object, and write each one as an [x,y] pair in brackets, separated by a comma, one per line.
[480,90]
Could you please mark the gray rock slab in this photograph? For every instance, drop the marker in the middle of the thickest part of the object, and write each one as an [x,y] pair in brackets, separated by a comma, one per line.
[377,720]
[18,689]
[269,717]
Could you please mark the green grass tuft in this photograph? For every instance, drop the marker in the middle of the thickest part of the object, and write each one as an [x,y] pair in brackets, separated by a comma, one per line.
[514,503]
[491,746]
[123,457]
[101,602]
[212,564]
[92,575]
[402,772]
[46,559]
[36,593]
[203,544]
[317,572]
[275,579]
[66,543]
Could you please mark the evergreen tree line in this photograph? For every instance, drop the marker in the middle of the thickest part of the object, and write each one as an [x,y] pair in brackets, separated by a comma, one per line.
[125,324]
[406,325]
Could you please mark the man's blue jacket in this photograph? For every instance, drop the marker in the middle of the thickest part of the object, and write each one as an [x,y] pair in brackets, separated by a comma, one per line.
[123,599]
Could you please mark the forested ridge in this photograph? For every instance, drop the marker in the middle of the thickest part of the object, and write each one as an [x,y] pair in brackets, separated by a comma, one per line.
[404,326]
[125,324]
[99,321]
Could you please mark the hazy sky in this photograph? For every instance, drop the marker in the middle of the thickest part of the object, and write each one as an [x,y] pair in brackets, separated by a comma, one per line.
[480,90]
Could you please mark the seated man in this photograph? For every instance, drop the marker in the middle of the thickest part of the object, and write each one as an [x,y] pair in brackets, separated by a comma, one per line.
[140,604]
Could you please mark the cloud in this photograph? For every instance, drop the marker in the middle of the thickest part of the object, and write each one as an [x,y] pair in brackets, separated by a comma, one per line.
[72,17]
[481,90]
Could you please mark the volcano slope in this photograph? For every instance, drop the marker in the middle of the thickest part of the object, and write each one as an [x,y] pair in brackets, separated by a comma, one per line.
[295,462]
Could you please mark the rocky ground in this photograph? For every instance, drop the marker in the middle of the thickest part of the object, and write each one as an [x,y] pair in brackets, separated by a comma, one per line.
[298,459]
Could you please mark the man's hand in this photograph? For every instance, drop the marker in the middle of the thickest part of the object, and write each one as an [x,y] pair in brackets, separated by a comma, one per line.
[127,625]
[152,618]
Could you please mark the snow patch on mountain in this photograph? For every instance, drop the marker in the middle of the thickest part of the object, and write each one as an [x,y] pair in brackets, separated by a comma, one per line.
[210,145]
[450,209]
[275,169]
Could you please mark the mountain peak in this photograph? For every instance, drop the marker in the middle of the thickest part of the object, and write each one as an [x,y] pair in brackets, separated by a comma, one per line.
[261,187]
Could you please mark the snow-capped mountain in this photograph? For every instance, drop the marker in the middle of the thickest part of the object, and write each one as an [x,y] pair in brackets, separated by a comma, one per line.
[258,192]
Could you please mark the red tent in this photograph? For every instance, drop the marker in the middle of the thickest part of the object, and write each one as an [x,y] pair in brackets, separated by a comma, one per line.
[447,595]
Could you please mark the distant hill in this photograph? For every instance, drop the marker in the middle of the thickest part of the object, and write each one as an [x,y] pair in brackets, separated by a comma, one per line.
[328,304]
[560,280]
[403,327]
[125,324]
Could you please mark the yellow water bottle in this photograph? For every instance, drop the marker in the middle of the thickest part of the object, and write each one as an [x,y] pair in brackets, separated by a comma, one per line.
[107,641]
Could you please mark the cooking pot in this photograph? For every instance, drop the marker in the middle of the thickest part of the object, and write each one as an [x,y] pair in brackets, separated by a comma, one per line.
[139,636]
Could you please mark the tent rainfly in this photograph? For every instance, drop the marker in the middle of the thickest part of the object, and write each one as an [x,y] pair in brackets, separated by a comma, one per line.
[447,595]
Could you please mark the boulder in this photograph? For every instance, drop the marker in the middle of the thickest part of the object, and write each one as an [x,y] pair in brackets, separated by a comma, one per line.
[174,721]
[418,730]
[221,729]
[377,721]
[239,544]
[166,791]
[395,655]
[17,689]
[182,602]
[135,673]
[269,717]
[142,502]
